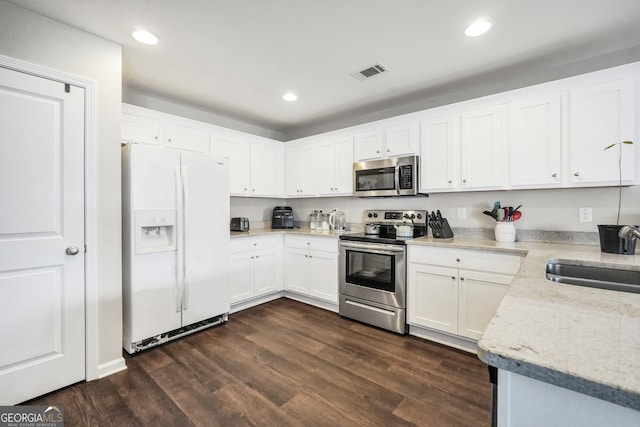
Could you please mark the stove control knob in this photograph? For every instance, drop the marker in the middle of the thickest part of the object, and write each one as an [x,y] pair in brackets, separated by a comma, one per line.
[369,214]
[413,216]
[375,215]
[419,216]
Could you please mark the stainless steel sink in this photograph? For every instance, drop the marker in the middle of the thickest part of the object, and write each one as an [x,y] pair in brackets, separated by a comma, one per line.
[595,277]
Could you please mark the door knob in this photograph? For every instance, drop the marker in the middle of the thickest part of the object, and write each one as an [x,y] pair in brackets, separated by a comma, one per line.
[72,250]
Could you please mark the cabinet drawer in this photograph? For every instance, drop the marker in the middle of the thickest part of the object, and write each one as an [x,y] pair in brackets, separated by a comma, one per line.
[246,244]
[466,259]
[325,244]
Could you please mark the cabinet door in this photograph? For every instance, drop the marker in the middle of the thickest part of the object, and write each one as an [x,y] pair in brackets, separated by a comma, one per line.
[481,148]
[369,145]
[323,276]
[326,167]
[238,153]
[266,165]
[141,130]
[300,170]
[440,154]
[432,297]
[480,296]
[601,116]
[343,162]
[401,140]
[265,264]
[186,138]
[296,272]
[535,142]
[240,277]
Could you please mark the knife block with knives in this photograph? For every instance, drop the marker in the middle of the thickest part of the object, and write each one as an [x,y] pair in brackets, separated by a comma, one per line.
[439,226]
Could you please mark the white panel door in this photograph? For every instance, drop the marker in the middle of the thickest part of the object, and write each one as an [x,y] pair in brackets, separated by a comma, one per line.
[480,296]
[601,116]
[323,276]
[401,140]
[481,148]
[240,277]
[326,159]
[440,154]
[535,142]
[41,236]
[206,237]
[432,297]
[296,272]
[265,264]
[343,165]
[186,138]
[369,145]
[266,163]
[238,153]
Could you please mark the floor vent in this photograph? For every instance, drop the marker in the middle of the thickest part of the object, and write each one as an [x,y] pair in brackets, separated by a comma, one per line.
[369,72]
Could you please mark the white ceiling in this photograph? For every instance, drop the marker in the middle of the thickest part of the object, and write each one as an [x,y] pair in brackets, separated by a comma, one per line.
[237,58]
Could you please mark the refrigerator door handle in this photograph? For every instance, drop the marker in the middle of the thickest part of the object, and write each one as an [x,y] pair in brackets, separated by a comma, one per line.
[185,205]
[180,242]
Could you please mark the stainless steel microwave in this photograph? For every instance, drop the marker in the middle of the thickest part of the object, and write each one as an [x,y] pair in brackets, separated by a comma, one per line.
[395,176]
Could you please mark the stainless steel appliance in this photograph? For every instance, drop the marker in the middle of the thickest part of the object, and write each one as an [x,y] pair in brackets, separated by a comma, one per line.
[396,176]
[239,224]
[282,217]
[372,270]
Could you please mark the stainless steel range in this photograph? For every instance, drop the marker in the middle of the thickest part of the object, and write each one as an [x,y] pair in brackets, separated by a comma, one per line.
[372,268]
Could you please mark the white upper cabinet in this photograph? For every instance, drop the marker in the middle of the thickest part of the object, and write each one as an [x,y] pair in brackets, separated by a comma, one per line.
[535,142]
[401,140]
[299,161]
[440,154]
[186,138]
[394,141]
[238,152]
[335,167]
[267,177]
[600,116]
[481,149]
[149,130]
[141,130]
[369,145]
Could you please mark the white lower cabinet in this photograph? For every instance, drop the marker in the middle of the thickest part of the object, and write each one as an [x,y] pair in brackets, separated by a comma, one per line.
[311,266]
[256,267]
[456,291]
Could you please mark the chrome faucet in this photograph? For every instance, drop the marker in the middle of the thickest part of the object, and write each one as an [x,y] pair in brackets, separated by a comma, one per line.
[628,232]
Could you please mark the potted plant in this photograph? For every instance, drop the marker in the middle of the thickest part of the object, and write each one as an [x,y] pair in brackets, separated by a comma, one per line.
[610,242]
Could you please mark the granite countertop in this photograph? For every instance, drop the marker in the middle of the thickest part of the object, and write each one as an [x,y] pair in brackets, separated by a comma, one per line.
[302,231]
[579,338]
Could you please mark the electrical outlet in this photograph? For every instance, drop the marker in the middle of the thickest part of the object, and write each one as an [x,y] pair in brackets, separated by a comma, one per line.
[585,214]
[462,213]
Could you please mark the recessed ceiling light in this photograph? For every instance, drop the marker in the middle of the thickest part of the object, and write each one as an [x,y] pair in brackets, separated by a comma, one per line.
[477,28]
[145,37]
[290,96]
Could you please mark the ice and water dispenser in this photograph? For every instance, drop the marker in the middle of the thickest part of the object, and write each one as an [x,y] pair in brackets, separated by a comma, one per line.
[155,230]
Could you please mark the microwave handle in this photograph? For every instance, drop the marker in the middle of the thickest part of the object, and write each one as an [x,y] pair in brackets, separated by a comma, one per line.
[397,179]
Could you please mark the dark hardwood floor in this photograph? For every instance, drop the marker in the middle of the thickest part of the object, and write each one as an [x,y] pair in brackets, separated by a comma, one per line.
[285,363]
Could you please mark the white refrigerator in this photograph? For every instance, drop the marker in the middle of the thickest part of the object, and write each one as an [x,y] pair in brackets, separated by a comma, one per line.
[175,244]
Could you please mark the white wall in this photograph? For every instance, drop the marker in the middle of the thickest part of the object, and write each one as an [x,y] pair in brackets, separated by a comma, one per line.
[543,210]
[33,38]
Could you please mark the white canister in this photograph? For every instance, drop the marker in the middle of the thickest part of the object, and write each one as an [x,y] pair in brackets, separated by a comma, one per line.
[505,232]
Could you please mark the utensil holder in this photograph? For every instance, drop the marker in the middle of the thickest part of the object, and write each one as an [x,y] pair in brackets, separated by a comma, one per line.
[505,232]
[440,229]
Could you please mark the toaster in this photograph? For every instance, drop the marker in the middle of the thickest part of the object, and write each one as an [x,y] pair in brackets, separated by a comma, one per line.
[239,224]
[282,217]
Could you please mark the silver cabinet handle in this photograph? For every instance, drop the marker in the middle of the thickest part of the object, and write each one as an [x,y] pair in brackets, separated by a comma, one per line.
[72,250]
[555,175]
[576,174]
[453,277]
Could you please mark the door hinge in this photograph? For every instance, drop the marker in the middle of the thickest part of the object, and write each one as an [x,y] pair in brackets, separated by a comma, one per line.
[67,87]
[85,249]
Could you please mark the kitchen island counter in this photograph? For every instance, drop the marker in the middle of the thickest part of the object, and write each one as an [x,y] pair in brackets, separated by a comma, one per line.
[579,338]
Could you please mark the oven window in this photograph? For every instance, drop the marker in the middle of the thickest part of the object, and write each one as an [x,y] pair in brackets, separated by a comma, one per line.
[371,270]
[376,179]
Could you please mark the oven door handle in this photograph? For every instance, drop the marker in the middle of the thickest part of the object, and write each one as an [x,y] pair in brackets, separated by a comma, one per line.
[380,249]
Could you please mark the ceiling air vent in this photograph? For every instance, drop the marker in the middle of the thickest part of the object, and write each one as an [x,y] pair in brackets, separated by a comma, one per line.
[369,72]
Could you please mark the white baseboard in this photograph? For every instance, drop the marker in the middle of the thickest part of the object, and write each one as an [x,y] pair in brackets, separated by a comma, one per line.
[111,367]
[445,339]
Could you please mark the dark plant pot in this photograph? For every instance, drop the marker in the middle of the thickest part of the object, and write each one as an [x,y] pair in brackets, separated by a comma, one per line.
[611,243]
